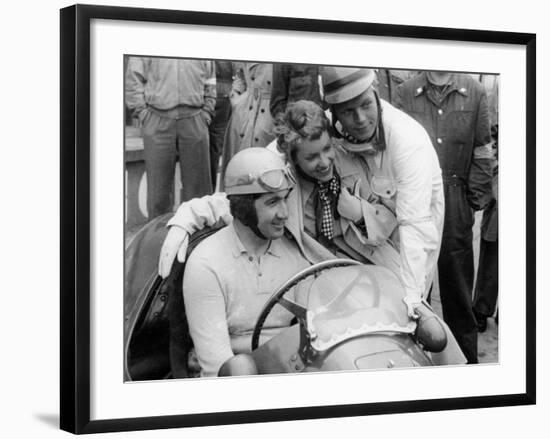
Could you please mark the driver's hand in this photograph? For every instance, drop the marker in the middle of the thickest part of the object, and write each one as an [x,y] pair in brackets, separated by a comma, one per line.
[175,244]
[412,303]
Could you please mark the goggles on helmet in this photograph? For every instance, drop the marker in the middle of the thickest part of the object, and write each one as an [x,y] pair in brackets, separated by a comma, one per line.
[271,180]
[276,179]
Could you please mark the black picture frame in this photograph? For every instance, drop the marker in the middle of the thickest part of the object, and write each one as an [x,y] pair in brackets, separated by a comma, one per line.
[75,217]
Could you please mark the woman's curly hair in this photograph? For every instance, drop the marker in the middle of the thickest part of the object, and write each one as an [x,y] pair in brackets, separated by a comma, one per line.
[302,120]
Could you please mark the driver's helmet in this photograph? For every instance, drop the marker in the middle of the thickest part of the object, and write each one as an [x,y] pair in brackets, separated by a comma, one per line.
[257,171]
[341,84]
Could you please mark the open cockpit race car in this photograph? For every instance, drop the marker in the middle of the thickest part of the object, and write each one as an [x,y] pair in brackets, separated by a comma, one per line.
[347,316]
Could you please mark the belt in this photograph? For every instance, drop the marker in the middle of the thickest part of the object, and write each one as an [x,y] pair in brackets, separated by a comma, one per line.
[176,113]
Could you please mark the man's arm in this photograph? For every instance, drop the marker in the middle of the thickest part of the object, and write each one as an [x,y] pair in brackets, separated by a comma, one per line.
[481,171]
[414,164]
[191,216]
[239,85]
[210,89]
[206,315]
[198,213]
[134,90]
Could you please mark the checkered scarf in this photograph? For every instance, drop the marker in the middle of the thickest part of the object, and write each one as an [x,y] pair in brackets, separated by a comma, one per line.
[328,196]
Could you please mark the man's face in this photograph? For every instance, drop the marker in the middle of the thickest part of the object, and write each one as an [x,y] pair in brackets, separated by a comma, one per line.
[272,212]
[359,116]
[316,158]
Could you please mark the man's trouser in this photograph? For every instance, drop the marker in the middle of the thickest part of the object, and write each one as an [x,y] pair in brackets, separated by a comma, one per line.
[164,139]
[486,292]
[217,131]
[456,270]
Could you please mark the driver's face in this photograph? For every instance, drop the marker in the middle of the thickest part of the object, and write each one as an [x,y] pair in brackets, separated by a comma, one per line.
[272,212]
[359,116]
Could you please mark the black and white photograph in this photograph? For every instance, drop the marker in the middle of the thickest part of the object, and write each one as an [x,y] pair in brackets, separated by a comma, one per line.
[294,218]
[286,219]
[281,219]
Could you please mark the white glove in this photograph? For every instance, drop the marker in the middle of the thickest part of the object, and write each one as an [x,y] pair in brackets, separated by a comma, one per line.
[175,243]
[412,303]
[349,206]
[191,216]
[198,213]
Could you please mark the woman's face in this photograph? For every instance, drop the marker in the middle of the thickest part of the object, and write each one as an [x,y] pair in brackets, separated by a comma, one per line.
[359,116]
[316,158]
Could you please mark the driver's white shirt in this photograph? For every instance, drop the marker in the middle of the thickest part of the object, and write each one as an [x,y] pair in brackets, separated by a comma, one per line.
[225,289]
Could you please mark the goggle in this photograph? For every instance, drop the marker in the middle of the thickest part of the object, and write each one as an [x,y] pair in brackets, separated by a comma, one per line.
[270,180]
[274,180]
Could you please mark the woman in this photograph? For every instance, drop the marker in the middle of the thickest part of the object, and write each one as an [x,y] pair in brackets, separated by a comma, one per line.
[333,198]
[250,123]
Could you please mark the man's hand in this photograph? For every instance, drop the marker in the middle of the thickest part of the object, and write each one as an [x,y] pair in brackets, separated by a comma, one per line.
[412,303]
[175,244]
[206,117]
[349,206]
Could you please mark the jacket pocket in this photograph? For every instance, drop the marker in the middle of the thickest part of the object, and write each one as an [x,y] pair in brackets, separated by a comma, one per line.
[459,125]
[384,187]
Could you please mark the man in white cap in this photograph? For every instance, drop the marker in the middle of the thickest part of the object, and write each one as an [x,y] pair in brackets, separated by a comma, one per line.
[401,165]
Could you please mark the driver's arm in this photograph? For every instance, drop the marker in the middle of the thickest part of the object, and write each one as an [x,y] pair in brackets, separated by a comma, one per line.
[205,308]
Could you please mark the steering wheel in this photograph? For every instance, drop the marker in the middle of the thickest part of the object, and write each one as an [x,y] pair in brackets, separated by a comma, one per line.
[297,310]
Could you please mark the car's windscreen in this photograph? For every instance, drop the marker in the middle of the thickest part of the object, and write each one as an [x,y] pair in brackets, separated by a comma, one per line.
[346,302]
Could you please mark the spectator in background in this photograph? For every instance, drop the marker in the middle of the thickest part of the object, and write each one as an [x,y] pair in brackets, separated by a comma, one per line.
[486,289]
[294,82]
[453,109]
[225,70]
[174,100]
[250,123]
[389,80]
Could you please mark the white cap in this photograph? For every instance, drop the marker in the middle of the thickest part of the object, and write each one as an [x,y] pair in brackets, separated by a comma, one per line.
[341,84]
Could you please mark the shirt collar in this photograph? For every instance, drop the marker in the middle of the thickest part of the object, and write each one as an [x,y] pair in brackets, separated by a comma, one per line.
[451,81]
[274,248]
[308,185]
[238,248]
[453,85]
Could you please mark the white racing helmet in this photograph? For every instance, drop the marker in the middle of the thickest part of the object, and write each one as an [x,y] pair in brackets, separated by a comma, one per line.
[257,171]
